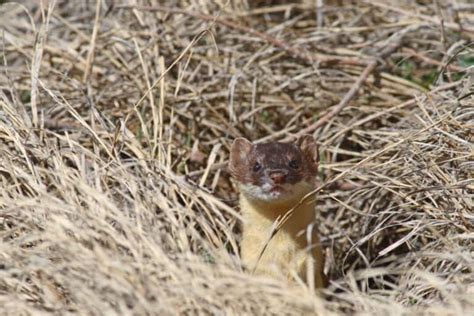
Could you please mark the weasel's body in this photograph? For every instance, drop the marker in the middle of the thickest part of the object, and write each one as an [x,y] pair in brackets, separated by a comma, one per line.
[273,178]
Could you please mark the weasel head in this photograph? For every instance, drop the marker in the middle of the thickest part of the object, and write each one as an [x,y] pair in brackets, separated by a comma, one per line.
[274,172]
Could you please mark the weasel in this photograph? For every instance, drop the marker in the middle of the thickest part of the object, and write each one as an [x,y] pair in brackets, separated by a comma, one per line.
[273,178]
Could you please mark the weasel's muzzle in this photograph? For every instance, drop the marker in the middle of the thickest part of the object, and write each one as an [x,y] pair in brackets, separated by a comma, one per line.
[277,176]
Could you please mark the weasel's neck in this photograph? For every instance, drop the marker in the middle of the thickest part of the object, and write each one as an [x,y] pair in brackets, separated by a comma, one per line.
[262,215]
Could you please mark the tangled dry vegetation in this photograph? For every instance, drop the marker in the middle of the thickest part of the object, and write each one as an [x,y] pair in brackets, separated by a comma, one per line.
[115,126]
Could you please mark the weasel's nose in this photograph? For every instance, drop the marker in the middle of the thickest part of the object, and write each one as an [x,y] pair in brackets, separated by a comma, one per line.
[277,176]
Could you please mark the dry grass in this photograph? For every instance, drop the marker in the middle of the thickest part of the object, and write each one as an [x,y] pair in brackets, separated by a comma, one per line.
[115,123]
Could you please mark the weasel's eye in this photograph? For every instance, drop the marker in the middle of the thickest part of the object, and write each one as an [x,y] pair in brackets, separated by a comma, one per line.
[294,164]
[257,167]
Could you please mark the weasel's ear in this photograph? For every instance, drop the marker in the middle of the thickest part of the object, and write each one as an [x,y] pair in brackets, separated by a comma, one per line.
[239,152]
[310,149]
